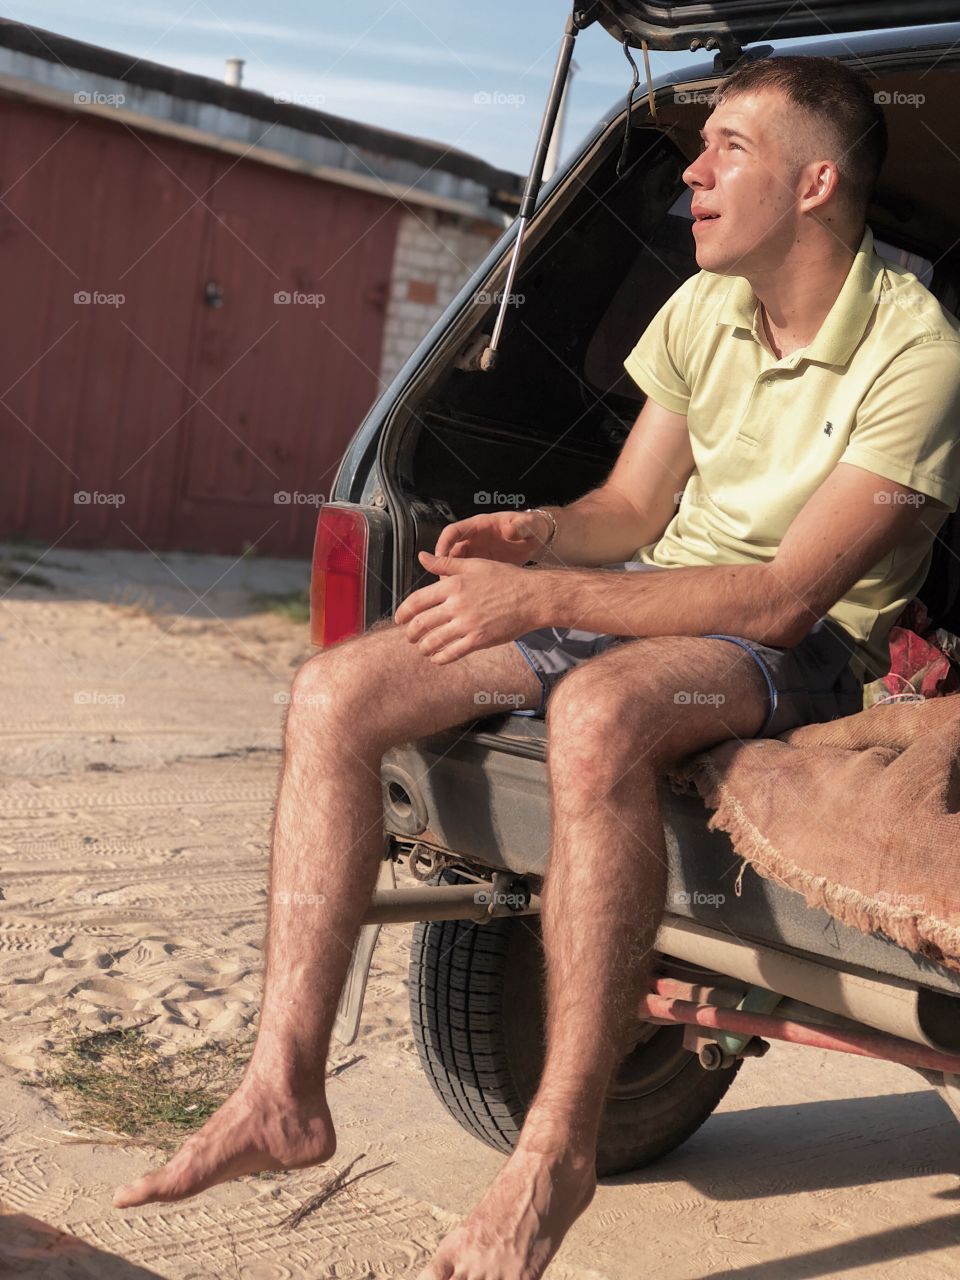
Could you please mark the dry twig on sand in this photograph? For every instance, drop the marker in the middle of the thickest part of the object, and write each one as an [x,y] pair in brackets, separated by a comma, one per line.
[333,1187]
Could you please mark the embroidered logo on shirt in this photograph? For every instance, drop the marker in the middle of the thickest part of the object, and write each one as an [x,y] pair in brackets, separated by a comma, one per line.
[828,429]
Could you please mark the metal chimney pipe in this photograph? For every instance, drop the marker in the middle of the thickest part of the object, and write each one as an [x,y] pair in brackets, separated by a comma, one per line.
[234,72]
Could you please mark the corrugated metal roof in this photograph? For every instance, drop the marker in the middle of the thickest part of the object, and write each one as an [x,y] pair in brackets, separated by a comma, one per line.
[42,63]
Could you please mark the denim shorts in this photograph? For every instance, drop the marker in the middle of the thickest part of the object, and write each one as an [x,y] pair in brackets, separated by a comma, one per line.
[807,684]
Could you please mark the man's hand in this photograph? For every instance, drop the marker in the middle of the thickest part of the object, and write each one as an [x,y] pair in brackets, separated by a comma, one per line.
[476,604]
[512,537]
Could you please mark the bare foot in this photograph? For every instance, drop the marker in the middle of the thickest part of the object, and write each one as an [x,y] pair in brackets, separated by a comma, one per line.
[517,1227]
[253,1131]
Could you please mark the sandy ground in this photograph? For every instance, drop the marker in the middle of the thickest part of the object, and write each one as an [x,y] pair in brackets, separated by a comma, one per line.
[138,754]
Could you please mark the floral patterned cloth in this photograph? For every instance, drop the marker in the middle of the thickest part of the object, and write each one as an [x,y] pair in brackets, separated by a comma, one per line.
[924,661]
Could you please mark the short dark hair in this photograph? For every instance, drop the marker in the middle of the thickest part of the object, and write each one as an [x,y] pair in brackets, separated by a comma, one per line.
[842,104]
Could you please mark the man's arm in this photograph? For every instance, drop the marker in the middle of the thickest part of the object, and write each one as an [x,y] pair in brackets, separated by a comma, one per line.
[846,527]
[635,503]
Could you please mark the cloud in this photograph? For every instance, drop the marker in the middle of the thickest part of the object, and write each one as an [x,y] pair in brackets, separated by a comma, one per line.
[201,17]
[346,95]
[448,115]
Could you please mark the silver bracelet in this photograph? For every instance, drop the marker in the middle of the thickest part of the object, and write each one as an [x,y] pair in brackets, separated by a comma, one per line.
[534,511]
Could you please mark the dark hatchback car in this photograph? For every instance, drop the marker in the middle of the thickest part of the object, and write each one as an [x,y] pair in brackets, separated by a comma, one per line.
[606,244]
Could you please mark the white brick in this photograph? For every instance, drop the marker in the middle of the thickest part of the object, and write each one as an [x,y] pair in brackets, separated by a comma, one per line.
[405,311]
[418,259]
[431,248]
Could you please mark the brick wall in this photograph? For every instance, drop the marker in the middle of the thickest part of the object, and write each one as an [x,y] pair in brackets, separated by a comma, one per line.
[435,253]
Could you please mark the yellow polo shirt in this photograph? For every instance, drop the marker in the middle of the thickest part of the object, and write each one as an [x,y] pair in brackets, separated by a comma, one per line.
[878,387]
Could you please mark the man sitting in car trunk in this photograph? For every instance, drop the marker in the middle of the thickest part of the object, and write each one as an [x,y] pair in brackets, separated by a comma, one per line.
[805,397]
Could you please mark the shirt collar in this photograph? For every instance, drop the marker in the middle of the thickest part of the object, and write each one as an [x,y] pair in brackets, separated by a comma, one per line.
[845,322]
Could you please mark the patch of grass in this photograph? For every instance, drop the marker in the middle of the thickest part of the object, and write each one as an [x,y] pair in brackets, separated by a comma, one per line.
[294,605]
[21,543]
[10,574]
[115,1080]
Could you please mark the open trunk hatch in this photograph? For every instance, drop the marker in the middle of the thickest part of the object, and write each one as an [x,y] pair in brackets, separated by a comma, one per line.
[686,22]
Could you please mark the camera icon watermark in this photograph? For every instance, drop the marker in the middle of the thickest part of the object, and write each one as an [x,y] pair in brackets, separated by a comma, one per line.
[902,901]
[896,98]
[497,898]
[296,298]
[103,897]
[95,298]
[98,698]
[483,498]
[295,698]
[93,98]
[912,305]
[497,698]
[298,898]
[295,498]
[700,498]
[313,100]
[94,498]
[693,97]
[487,297]
[887,499]
[494,98]
[694,898]
[698,698]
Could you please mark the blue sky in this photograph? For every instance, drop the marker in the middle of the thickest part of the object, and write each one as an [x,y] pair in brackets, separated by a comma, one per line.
[417,66]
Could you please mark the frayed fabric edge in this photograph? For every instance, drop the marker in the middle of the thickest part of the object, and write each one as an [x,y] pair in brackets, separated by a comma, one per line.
[929,936]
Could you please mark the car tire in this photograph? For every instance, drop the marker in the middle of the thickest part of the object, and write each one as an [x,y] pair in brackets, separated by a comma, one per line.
[477,1009]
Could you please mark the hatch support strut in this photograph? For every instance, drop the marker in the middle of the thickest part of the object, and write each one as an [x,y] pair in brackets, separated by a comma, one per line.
[582,16]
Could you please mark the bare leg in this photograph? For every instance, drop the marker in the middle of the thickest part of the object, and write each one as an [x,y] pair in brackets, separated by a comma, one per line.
[614,727]
[348,705]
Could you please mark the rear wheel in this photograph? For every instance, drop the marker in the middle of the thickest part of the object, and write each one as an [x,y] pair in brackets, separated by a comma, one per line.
[476,996]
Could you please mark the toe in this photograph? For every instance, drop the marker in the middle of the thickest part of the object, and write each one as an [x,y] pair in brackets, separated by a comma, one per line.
[174,1181]
[142,1191]
[436,1270]
[440,1266]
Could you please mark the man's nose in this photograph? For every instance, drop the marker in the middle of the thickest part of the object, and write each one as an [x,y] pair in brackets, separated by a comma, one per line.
[697,173]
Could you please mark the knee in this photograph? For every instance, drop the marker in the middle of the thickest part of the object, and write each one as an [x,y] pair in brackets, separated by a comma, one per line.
[598,737]
[327,688]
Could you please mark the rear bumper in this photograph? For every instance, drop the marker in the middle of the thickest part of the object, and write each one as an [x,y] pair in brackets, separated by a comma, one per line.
[480,791]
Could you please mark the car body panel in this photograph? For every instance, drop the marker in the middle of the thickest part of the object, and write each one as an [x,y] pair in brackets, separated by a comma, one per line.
[484,796]
[679,24]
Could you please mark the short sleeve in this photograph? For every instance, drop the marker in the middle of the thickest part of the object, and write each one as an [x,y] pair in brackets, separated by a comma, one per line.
[658,363]
[908,424]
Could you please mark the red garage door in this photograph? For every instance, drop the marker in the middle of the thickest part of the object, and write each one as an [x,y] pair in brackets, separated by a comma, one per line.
[190,335]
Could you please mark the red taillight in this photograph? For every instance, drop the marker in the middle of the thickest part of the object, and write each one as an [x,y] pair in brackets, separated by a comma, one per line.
[338,581]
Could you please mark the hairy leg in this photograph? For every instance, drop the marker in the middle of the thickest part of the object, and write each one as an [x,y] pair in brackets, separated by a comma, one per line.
[348,705]
[614,726]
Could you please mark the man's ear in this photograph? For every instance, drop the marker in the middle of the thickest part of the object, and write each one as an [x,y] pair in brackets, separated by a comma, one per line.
[820,182]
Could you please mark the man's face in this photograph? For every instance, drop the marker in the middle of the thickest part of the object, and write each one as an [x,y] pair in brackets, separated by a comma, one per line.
[744,174]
